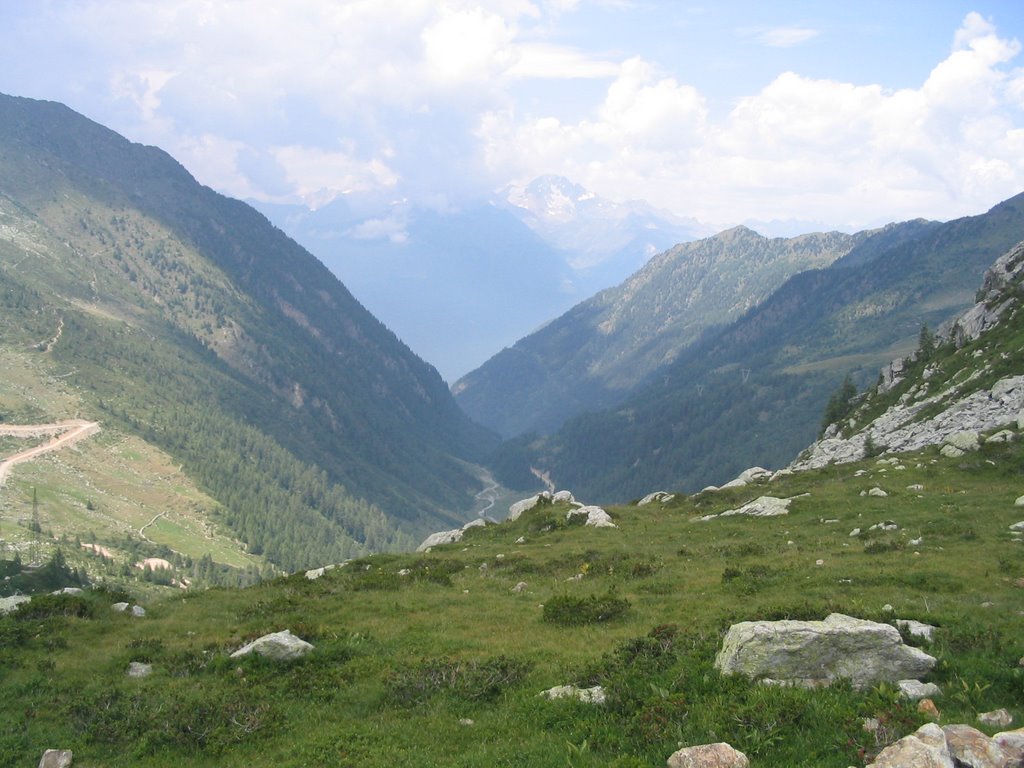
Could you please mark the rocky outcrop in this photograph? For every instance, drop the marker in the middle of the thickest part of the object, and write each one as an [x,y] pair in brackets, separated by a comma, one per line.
[278,646]
[720,755]
[763,506]
[963,409]
[658,496]
[10,604]
[449,537]
[818,652]
[953,746]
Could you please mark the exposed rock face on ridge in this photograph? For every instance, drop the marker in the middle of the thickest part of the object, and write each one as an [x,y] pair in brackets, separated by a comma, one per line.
[963,408]
[818,652]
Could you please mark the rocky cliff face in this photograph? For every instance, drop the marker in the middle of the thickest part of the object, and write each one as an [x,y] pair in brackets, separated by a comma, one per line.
[969,384]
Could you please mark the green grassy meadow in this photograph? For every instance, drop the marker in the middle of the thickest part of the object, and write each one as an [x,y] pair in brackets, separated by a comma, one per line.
[400,660]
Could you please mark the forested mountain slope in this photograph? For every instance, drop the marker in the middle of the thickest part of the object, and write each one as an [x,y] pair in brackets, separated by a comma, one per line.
[752,394]
[186,318]
[597,353]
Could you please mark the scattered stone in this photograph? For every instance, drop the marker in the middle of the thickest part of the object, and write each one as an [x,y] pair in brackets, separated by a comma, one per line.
[917,628]
[138,611]
[404,572]
[120,607]
[860,473]
[279,646]
[465,721]
[439,538]
[10,604]
[925,748]
[56,758]
[819,562]
[1018,526]
[1002,436]
[951,452]
[521,540]
[915,542]
[1019,502]
[68,591]
[916,487]
[593,695]
[748,476]
[138,669]
[876,491]
[998,718]
[519,587]
[659,496]
[720,755]
[816,652]
[915,689]
[855,532]
[596,517]
[887,608]
[563,497]
[927,708]
[964,441]
[885,525]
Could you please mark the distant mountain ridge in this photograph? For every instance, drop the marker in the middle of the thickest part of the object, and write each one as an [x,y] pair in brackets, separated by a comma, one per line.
[595,354]
[752,393]
[457,282]
[191,321]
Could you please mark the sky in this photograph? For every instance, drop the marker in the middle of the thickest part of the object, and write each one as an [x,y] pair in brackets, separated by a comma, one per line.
[853,114]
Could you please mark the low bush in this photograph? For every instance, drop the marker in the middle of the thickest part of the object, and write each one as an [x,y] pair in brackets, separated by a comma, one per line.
[473,680]
[568,611]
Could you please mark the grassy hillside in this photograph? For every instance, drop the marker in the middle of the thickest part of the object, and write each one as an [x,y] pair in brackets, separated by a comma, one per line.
[401,660]
[183,318]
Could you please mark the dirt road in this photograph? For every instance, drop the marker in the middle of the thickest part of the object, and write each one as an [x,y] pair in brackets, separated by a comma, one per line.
[66,433]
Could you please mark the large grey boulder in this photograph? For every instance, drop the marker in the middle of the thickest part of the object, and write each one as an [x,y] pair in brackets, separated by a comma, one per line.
[720,755]
[596,517]
[817,652]
[515,510]
[279,646]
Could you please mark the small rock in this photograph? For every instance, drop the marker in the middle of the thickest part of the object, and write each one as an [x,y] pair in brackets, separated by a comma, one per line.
[951,452]
[658,496]
[915,542]
[138,669]
[925,748]
[138,611]
[593,695]
[819,562]
[521,540]
[68,591]
[916,487]
[1019,502]
[877,492]
[465,721]
[56,758]
[1002,436]
[404,572]
[887,608]
[563,497]
[927,708]
[998,718]
[855,532]
[915,689]
[279,646]
[519,587]
[120,607]
[1018,526]
[720,755]
[596,517]
[917,629]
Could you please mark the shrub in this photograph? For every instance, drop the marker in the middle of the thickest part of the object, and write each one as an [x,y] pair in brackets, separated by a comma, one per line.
[45,606]
[568,611]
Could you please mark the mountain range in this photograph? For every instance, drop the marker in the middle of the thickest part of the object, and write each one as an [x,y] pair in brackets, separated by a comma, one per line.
[752,392]
[458,282]
[185,318]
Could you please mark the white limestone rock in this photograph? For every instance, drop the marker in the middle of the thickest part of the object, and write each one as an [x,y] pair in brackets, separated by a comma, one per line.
[596,517]
[10,604]
[915,689]
[517,509]
[925,748]
[279,646]
[877,492]
[762,506]
[917,628]
[138,669]
[563,497]
[812,652]
[595,695]
[57,758]
[658,496]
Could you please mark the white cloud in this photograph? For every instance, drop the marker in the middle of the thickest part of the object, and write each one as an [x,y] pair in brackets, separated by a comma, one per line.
[785,37]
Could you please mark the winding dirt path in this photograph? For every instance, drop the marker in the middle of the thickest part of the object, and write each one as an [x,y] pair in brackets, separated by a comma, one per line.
[65,433]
